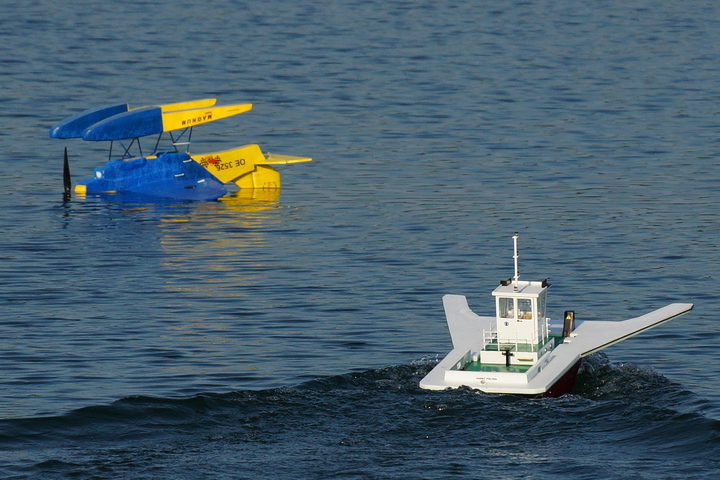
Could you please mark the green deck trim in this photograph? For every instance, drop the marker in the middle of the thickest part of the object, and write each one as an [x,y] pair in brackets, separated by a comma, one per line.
[476,366]
[479,367]
[521,347]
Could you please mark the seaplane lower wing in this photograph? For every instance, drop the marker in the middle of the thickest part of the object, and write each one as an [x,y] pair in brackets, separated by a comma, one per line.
[593,336]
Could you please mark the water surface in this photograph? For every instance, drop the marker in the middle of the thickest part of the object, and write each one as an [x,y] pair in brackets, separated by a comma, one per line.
[192,340]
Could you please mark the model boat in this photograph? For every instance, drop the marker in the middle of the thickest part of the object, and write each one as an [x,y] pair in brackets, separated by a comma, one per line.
[517,351]
[169,169]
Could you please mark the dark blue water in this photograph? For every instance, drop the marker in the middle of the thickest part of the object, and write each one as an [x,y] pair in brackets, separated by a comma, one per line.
[285,336]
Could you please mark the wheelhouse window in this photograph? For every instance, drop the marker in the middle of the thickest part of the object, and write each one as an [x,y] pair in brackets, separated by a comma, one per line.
[524,306]
[541,306]
[507,308]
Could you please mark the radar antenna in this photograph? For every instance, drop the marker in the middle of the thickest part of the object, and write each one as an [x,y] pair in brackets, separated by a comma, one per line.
[515,257]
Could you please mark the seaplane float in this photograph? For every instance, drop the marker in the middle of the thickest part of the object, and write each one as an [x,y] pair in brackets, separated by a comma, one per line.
[169,169]
[518,351]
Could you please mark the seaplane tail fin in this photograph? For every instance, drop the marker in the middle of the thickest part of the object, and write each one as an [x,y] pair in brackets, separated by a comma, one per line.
[246,166]
[593,336]
[465,326]
[276,159]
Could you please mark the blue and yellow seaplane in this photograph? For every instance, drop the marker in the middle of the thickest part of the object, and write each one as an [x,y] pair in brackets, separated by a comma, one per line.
[170,170]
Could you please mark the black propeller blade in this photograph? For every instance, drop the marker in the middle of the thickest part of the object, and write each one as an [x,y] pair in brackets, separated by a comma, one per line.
[66,175]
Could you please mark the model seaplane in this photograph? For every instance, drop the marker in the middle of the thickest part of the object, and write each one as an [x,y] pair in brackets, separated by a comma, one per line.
[169,170]
[516,351]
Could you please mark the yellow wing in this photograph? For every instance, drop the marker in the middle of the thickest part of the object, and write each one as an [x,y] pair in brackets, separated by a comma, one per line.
[206,102]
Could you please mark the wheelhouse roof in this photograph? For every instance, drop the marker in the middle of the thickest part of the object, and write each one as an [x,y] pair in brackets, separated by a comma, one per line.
[524,289]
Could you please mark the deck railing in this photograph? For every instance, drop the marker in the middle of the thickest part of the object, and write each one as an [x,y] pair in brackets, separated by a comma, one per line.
[490,337]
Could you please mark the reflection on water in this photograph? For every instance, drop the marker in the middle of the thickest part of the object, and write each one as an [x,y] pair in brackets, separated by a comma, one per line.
[140,281]
[223,237]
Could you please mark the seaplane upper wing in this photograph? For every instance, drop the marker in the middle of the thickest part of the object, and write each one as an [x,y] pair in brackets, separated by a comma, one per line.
[154,120]
[592,336]
[118,122]
[74,126]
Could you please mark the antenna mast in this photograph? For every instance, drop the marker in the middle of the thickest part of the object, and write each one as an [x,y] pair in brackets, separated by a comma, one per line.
[515,257]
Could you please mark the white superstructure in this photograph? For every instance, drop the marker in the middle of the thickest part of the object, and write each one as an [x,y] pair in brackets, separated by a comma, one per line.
[515,351]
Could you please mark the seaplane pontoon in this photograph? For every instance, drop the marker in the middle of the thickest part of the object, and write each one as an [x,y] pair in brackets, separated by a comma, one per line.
[517,351]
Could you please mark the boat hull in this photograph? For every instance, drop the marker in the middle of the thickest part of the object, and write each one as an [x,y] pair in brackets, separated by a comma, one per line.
[562,386]
[565,384]
[552,374]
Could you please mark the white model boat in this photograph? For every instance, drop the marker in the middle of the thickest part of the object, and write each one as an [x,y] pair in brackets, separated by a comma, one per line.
[516,351]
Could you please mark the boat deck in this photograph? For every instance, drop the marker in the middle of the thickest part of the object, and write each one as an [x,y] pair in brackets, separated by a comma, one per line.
[476,366]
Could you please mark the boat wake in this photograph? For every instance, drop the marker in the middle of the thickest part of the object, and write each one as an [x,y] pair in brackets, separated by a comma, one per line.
[375,423]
